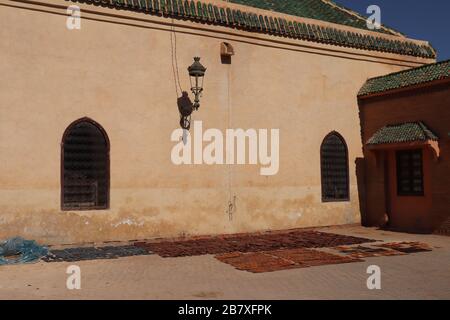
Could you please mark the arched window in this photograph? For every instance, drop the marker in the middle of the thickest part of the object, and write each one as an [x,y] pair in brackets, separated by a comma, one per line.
[334,168]
[85,167]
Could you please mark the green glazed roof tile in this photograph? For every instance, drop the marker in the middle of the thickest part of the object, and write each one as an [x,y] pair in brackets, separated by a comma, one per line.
[324,10]
[247,19]
[405,132]
[402,79]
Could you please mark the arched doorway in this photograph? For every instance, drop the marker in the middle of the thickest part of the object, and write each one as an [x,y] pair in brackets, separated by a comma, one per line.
[85,166]
[334,168]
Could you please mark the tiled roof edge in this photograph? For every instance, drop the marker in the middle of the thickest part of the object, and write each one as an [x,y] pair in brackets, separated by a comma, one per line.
[428,135]
[350,11]
[203,12]
[374,85]
[409,70]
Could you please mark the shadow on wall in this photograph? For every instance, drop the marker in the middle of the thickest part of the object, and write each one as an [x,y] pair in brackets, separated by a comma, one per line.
[361,174]
[185,107]
[375,216]
[361,181]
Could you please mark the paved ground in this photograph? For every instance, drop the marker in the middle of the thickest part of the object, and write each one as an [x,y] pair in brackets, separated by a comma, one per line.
[416,276]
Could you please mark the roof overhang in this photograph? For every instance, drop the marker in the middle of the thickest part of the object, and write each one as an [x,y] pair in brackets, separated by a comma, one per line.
[432,74]
[403,136]
[419,86]
[380,149]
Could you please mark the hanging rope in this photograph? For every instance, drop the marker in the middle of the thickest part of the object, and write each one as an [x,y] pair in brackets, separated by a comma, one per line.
[185,115]
[176,74]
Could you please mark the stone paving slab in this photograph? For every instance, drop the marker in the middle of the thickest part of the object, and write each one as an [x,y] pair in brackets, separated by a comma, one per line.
[409,276]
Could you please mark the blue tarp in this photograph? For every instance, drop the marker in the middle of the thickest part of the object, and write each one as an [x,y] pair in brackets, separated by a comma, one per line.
[18,250]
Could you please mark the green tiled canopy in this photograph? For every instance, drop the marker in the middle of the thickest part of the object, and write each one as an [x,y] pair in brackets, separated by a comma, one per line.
[405,132]
[424,74]
[251,20]
[313,9]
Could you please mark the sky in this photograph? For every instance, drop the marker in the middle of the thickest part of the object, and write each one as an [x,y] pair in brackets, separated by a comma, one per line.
[418,19]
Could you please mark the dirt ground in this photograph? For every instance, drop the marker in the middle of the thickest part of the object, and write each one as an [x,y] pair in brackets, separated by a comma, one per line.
[424,275]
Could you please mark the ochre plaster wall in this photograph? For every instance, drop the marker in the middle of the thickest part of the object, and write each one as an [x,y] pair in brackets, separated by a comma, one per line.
[120,72]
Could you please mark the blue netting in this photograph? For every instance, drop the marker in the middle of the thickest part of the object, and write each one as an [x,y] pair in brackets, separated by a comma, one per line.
[18,250]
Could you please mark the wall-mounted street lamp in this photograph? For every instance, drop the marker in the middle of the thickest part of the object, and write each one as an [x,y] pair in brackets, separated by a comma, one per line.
[185,106]
[197,73]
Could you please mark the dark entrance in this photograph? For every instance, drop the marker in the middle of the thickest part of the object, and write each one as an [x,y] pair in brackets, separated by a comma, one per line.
[85,167]
[334,168]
